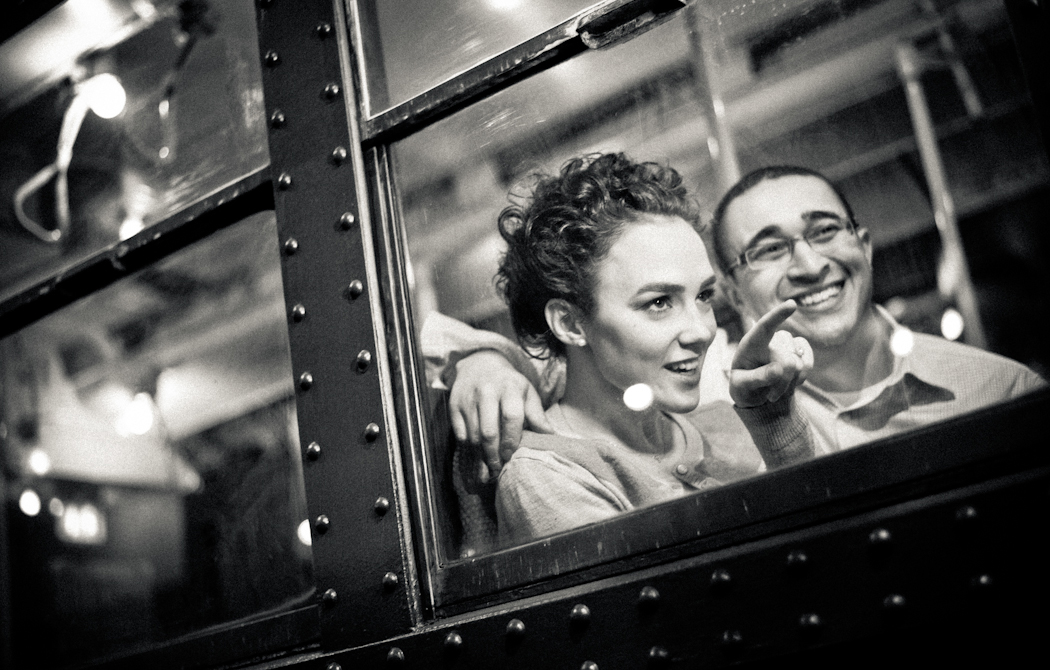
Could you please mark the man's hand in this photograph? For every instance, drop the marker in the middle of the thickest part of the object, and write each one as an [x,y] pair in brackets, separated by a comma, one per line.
[490,403]
[769,363]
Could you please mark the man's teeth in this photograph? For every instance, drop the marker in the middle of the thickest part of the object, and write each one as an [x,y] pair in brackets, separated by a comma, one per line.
[820,296]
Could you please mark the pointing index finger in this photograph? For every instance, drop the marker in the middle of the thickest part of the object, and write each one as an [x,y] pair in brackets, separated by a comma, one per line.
[754,345]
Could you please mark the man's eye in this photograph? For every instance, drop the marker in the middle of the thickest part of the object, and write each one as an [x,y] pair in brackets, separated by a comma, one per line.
[768,250]
[825,232]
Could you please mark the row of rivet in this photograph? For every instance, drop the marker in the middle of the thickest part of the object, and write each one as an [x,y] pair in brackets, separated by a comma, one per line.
[810,623]
[354,289]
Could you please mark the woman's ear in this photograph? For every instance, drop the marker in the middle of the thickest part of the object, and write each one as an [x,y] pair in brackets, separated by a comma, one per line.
[566,322]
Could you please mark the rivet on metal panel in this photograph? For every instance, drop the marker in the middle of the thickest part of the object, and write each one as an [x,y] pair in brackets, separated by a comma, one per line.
[982,582]
[298,312]
[330,597]
[810,622]
[321,524]
[291,245]
[333,666]
[390,581]
[272,58]
[395,656]
[371,432]
[382,506]
[966,513]
[589,665]
[453,641]
[306,380]
[277,119]
[721,580]
[313,451]
[659,657]
[364,359]
[797,562]
[732,639]
[894,602]
[338,155]
[355,289]
[649,597]
[580,614]
[331,91]
[515,628]
[284,181]
[324,29]
[346,221]
[879,536]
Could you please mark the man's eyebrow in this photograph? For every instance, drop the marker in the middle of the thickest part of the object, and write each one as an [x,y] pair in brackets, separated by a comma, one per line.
[771,230]
[819,214]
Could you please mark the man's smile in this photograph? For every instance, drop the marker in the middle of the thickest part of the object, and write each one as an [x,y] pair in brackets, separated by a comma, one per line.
[818,296]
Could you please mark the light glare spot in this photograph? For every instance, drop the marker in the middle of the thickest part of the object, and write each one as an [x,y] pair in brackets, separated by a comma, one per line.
[29,502]
[638,397]
[304,533]
[105,95]
[137,416]
[504,5]
[902,341]
[952,324]
[39,462]
[131,227]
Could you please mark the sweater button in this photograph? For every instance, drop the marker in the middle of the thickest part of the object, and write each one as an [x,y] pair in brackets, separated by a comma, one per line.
[681,468]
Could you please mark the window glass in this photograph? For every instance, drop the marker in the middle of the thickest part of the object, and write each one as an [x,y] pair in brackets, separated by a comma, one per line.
[721,91]
[150,454]
[180,89]
[403,58]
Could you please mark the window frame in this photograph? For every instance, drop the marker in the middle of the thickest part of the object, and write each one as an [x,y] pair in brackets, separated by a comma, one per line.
[815,491]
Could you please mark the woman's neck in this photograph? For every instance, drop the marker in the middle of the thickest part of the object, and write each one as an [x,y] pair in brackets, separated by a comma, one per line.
[594,408]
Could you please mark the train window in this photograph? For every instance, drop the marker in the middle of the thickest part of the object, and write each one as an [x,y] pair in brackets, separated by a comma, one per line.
[115,115]
[151,456]
[918,118]
[404,58]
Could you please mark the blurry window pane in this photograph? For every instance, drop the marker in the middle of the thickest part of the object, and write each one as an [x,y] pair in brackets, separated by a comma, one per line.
[815,84]
[414,45]
[191,123]
[150,452]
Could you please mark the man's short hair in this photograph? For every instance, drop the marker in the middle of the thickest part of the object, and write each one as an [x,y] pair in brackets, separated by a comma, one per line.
[716,231]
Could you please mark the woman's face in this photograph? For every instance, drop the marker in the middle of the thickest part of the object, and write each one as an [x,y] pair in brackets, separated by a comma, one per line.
[653,321]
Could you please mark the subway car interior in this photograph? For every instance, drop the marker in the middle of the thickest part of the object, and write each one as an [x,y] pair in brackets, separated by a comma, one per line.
[230,228]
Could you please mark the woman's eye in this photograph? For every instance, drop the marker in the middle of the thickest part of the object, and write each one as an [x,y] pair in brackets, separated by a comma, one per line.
[706,296]
[659,304]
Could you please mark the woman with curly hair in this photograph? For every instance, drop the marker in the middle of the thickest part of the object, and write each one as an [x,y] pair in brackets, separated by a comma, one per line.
[606,269]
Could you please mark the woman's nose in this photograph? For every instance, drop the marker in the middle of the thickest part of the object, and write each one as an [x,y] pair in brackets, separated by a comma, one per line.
[699,328]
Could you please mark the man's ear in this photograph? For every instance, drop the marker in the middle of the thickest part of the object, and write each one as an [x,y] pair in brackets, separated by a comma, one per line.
[865,241]
[566,322]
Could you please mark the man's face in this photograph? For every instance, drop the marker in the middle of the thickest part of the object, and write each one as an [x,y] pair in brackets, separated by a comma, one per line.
[832,288]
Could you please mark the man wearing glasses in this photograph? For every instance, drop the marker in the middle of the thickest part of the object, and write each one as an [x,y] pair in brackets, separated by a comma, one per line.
[787,233]
[784,233]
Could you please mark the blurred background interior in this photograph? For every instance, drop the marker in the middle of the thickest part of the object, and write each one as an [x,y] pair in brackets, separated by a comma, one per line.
[148,436]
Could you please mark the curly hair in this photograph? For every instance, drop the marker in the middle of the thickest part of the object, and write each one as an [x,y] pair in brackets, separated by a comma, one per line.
[570,223]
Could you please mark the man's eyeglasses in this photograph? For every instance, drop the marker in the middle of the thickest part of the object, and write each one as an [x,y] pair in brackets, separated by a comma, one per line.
[827,233]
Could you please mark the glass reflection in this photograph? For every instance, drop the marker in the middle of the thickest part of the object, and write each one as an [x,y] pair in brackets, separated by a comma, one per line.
[160,106]
[729,88]
[150,454]
[403,58]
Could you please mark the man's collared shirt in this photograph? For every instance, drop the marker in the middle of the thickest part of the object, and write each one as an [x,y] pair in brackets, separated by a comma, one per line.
[937,380]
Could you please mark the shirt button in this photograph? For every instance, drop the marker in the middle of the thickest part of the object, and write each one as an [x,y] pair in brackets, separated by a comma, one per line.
[681,468]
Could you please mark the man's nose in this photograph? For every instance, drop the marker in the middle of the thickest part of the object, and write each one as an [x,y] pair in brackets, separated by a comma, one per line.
[806,263]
